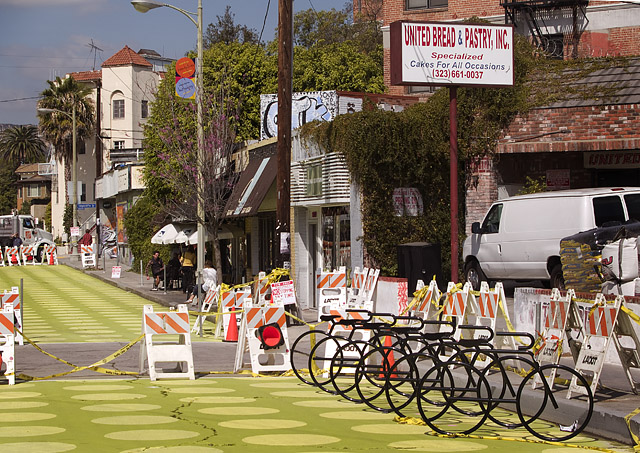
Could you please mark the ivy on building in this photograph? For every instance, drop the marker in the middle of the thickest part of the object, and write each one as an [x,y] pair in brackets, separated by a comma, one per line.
[386,150]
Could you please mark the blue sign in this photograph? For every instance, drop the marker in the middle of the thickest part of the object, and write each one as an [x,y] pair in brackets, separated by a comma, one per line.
[87,206]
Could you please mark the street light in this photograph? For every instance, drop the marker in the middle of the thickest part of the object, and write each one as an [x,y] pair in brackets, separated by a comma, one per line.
[143,6]
[74,160]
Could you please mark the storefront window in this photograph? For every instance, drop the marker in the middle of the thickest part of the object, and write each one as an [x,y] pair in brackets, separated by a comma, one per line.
[336,237]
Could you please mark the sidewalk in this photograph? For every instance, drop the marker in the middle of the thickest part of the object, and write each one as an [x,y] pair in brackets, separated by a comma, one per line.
[613,402]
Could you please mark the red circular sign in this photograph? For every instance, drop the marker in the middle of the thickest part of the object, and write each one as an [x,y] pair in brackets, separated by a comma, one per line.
[185,67]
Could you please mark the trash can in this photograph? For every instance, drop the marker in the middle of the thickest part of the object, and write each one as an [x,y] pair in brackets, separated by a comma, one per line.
[419,261]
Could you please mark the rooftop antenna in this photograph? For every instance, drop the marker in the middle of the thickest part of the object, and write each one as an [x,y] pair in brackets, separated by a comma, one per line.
[94,49]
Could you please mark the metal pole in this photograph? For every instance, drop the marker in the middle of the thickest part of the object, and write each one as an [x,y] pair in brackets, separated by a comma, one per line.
[165,278]
[141,276]
[453,178]
[200,163]
[22,305]
[74,171]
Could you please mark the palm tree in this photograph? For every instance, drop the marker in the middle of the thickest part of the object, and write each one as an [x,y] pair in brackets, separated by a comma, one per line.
[57,128]
[21,144]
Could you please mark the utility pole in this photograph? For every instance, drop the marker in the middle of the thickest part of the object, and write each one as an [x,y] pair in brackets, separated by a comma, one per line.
[285,75]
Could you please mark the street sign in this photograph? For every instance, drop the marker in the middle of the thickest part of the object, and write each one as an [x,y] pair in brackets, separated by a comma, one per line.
[87,206]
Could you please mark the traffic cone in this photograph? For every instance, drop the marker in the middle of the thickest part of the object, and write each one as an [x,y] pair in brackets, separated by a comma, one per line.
[232,329]
[387,364]
[51,262]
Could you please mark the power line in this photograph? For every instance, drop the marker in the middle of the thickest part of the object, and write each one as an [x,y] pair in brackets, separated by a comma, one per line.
[20,99]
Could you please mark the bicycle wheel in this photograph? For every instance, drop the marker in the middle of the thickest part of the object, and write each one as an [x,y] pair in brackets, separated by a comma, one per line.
[343,369]
[320,357]
[301,357]
[567,418]
[374,376]
[505,383]
[405,375]
[447,382]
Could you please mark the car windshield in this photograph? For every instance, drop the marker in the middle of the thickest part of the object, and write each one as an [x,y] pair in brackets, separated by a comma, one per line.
[27,223]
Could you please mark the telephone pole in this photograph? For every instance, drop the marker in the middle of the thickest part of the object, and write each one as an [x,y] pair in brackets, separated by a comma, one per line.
[285,75]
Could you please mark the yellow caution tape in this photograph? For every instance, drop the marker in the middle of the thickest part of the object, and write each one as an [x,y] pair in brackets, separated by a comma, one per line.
[94,367]
[417,421]
[635,438]
[634,317]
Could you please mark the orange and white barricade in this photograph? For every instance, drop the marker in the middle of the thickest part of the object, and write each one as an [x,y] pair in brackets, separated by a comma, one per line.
[28,253]
[49,255]
[331,290]
[233,301]
[157,325]
[7,343]
[13,256]
[356,291]
[599,327]
[12,298]
[87,251]
[261,289]
[554,336]
[264,330]
[628,345]
[423,298]
[454,307]
[210,299]
[370,283]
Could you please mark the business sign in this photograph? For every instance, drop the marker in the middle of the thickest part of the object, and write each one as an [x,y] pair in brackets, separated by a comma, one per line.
[443,53]
[116,271]
[612,159]
[283,293]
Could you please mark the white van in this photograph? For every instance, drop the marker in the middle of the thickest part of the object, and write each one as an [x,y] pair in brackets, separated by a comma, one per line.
[519,238]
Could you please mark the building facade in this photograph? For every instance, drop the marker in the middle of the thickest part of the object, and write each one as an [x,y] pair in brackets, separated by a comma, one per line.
[110,163]
[582,143]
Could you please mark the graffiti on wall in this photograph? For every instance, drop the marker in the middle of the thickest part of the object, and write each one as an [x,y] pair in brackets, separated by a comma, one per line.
[305,107]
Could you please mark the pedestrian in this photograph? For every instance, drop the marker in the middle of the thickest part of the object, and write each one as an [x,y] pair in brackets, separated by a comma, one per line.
[210,277]
[188,268]
[157,266]
[16,240]
[86,239]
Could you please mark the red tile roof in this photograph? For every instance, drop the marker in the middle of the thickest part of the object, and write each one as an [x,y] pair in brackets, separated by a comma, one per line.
[86,76]
[126,57]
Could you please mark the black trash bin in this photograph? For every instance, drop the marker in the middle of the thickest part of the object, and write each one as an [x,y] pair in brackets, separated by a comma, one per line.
[419,261]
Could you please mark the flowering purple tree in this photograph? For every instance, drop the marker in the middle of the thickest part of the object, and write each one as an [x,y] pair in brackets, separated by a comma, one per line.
[175,166]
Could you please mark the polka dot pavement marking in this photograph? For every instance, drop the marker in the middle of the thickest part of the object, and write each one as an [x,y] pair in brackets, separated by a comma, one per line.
[228,415]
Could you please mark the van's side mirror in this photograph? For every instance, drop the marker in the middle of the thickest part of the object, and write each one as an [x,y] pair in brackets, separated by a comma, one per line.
[475,228]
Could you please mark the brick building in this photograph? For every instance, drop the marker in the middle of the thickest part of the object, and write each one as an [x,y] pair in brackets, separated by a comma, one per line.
[573,144]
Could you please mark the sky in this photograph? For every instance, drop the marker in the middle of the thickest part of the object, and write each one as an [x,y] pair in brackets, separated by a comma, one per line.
[42,39]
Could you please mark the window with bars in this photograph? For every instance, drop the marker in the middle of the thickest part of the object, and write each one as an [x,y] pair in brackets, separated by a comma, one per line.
[118,108]
[118,144]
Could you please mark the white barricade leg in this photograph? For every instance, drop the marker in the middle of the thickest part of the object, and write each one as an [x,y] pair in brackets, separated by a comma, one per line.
[555,314]
[210,300]
[158,352]
[628,346]
[7,343]
[599,327]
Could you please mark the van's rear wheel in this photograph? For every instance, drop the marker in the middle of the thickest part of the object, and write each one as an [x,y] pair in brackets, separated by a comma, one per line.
[557,278]
[474,275]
